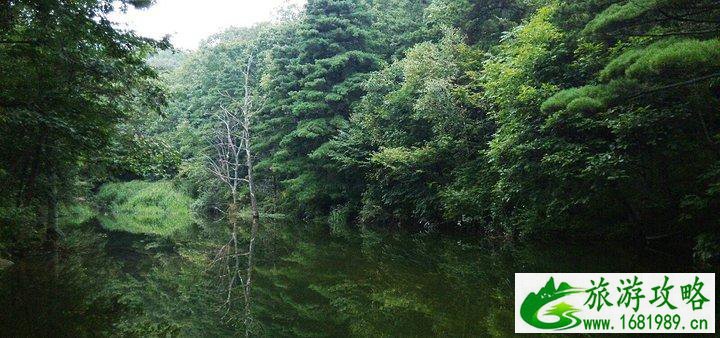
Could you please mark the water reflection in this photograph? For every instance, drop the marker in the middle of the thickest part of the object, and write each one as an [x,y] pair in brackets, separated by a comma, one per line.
[71,299]
[370,285]
[421,285]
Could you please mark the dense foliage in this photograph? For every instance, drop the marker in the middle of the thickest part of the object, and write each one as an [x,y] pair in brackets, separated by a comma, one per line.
[68,77]
[498,119]
[508,118]
[505,117]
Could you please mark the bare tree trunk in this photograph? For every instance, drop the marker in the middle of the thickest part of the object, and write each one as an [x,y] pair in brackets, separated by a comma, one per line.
[227,166]
[255,222]
[231,140]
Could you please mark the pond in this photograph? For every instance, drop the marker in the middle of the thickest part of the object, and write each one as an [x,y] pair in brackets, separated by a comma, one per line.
[370,284]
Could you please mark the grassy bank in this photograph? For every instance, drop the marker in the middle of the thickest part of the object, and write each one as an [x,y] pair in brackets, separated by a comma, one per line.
[155,208]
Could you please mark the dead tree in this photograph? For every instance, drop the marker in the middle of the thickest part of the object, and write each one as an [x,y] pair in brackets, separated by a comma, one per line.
[227,165]
[249,110]
[233,165]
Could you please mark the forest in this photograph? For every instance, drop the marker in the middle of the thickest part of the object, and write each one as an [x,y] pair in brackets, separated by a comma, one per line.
[344,162]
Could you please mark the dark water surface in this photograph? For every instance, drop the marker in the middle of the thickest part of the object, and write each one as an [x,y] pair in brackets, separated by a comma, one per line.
[117,284]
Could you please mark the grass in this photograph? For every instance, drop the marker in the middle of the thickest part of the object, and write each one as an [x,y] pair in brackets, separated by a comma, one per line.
[75,214]
[155,208]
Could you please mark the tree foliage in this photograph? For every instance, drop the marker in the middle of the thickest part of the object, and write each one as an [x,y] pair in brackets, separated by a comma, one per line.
[68,77]
[518,118]
[506,117]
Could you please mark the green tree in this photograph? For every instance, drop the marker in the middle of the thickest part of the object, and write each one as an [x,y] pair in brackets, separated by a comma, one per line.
[482,21]
[68,76]
[413,134]
[332,60]
[652,111]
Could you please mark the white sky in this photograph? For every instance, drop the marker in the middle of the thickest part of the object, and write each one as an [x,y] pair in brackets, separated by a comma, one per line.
[190,21]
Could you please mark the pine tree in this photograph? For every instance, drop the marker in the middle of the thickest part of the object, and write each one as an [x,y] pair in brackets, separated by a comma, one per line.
[334,58]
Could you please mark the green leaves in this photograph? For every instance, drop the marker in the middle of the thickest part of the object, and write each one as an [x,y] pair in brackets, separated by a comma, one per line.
[309,107]
[621,13]
[67,79]
[517,117]
[668,59]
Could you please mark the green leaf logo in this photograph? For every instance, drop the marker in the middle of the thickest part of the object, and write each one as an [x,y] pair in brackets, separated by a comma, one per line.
[533,303]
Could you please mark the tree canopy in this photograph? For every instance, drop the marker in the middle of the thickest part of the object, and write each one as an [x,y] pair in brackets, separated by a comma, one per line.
[507,118]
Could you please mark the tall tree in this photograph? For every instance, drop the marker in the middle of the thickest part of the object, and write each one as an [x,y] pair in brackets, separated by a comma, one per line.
[68,77]
[628,142]
[232,164]
[411,135]
[333,60]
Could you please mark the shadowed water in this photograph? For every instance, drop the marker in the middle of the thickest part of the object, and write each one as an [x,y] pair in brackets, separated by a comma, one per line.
[366,285]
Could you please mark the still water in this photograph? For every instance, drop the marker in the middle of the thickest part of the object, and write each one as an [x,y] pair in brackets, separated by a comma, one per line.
[371,284]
